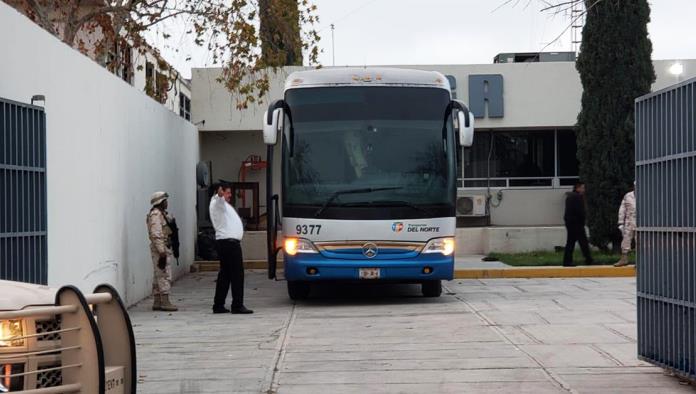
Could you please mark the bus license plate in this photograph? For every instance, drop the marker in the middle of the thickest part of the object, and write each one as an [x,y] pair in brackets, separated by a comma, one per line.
[369,273]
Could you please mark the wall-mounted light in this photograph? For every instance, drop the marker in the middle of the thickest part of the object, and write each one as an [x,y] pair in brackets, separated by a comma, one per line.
[201,123]
[676,69]
[38,97]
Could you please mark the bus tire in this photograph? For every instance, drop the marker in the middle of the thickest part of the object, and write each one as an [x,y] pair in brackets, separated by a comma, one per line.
[298,290]
[431,288]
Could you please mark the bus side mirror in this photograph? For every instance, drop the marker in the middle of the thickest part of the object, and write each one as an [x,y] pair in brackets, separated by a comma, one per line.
[465,119]
[273,122]
[465,123]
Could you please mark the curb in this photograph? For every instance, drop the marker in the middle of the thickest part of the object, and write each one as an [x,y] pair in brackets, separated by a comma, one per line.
[592,271]
[607,271]
[212,266]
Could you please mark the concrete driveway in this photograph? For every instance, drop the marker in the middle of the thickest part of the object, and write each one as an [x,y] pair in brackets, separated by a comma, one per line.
[498,335]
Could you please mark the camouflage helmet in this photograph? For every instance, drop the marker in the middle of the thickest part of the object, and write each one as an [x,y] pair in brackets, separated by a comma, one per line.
[158,197]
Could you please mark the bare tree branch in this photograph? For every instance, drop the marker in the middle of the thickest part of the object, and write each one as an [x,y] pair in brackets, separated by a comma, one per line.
[40,14]
[557,7]
[573,21]
[226,28]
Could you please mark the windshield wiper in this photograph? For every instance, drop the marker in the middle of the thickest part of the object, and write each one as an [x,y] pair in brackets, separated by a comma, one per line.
[352,191]
[390,203]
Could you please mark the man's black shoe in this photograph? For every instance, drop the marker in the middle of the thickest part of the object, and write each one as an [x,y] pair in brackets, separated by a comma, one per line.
[221,309]
[570,265]
[242,310]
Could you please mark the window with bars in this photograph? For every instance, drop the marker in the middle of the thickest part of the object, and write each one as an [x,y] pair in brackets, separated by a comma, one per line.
[184,107]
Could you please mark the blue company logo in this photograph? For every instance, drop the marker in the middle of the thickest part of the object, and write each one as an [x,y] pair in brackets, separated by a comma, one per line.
[486,95]
[397,227]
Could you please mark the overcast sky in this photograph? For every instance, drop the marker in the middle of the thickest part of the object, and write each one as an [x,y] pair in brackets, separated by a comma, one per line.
[393,32]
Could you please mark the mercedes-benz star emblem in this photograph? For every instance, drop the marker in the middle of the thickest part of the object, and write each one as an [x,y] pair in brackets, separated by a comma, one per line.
[369,250]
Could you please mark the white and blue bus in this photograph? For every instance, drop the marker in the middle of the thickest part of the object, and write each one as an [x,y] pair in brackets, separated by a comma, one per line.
[368,177]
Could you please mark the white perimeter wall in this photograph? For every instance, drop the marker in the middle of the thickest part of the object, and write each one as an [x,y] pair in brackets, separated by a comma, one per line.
[109,146]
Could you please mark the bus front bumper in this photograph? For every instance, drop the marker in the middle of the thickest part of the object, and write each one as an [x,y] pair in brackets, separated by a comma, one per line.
[301,266]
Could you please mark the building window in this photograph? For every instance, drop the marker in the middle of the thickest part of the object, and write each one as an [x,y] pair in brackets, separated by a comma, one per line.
[184,107]
[150,85]
[163,87]
[567,157]
[157,84]
[125,70]
[520,159]
[118,60]
[121,64]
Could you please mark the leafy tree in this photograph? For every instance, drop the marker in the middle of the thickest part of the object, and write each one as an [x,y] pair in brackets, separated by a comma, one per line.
[615,67]
[225,28]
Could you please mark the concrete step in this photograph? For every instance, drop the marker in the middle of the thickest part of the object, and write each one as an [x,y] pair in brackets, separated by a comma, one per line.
[212,266]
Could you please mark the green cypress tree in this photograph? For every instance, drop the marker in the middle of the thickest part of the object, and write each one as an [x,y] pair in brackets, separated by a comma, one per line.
[279,30]
[615,67]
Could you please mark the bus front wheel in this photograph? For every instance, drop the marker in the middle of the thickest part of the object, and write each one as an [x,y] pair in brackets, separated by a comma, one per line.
[431,288]
[298,290]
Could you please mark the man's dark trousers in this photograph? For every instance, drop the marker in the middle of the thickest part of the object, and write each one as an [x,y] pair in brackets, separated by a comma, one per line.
[231,273]
[576,233]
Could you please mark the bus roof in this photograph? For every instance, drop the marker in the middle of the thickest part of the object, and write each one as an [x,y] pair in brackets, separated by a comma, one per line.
[366,76]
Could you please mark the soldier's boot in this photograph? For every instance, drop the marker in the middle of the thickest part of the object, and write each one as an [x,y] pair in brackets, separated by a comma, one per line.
[166,305]
[156,303]
[623,261]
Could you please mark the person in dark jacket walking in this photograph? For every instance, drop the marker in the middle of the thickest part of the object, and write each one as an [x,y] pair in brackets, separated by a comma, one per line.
[574,218]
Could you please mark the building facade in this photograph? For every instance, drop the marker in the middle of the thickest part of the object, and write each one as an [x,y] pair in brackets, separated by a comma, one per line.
[512,181]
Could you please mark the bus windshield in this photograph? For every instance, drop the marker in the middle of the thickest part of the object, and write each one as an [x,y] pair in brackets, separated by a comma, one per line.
[369,146]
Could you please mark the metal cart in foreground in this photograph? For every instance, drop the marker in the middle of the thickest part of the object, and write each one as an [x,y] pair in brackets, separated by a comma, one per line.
[63,341]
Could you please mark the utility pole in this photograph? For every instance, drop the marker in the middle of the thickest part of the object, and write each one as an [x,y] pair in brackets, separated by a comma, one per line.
[333,46]
[577,21]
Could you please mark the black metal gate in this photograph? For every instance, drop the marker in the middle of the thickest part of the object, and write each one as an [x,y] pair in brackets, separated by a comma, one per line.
[666,201]
[23,254]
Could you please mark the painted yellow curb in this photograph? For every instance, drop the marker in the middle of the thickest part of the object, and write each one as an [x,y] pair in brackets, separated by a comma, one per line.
[210,266]
[547,272]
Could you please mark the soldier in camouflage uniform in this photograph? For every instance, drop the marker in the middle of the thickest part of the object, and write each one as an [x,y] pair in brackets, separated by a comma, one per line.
[160,232]
[627,225]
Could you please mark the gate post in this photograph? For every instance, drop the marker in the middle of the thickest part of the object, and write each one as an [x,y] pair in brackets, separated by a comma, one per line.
[666,200]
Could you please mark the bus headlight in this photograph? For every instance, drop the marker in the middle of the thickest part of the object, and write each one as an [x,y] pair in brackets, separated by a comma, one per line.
[298,245]
[440,245]
[11,333]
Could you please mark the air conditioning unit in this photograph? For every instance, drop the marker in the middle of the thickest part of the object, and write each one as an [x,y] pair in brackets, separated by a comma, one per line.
[471,205]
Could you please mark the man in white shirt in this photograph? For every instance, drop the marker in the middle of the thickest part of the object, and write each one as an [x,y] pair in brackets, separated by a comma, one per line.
[228,235]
